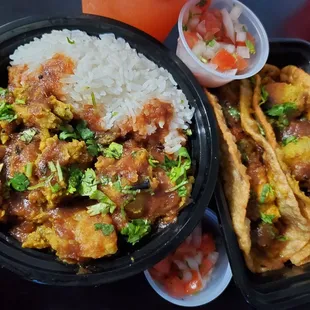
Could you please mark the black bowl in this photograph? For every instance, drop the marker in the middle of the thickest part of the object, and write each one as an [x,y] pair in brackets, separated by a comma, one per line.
[43,267]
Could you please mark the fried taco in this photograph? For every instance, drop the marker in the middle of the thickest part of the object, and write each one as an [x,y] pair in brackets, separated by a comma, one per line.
[282,105]
[265,213]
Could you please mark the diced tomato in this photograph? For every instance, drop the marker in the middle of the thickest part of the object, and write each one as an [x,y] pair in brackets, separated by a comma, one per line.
[175,286]
[194,285]
[157,276]
[205,266]
[163,266]
[201,28]
[212,23]
[190,38]
[185,250]
[241,63]
[224,60]
[207,243]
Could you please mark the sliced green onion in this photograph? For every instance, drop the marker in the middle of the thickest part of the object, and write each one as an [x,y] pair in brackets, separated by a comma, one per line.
[176,187]
[70,41]
[55,188]
[20,101]
[93,99]
[28,170]
[59,172]
[52,167]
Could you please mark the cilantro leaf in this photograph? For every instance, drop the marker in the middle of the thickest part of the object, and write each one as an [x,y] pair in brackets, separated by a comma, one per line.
[67,132]
[105,180]
[28,134]
[288,140]
[282,238]
[3,91]
[84,131]
[264,95]
[282,109]
[211,43]
[7,113]
[234,113]
[20,101]
[188,132]
[249,44]
[88,183]
[267,218]
[92,147]
[75,178]
[267,190]
[114,150]
[105,205]
[136,229]
[19,182]
[55,188]
[153,162]
[107,229]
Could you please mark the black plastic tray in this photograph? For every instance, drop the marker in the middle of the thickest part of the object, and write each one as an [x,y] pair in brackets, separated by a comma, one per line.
[290,286]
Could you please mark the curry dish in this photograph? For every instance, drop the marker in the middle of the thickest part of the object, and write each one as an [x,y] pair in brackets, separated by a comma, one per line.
[68,184]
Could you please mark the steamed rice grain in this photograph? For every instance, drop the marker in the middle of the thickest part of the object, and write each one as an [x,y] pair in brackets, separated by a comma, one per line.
[120,79]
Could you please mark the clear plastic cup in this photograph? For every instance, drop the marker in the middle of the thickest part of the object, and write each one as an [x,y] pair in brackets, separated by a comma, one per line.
[209,77]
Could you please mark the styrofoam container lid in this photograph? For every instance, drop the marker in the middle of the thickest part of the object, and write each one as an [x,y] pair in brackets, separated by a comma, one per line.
[220,277]
[209,77]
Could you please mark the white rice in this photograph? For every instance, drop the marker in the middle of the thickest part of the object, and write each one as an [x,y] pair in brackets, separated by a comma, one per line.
[120,78]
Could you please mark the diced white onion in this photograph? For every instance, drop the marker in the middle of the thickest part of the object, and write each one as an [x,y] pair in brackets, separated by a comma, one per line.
[240,36]
[192,263]
[235,12]
[213,257]
[210,51]
[199,48]
[201,28]
[230,72]
[187,276]
[198,258]
[193,22]
[230,48]
[181,265]
[243,51]
[228,24]
[197,236]
[240,27]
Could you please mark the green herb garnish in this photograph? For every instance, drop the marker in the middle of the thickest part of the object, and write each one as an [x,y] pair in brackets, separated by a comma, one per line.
[7,113]
[19,182]
[75,178]
[70,41]
[114,150]
[282,109]
[27,135]
[88,183]
[264,95]
[55,188]
[261,129]
[93,99]
[52,166]
[20,101]
[234,113]
[28,170]
[105,205]
[211,43]
[67,132]
[250,46]
[92,147]
[282,238]
[288,140]
[106,229]
[59,172]
[3,91]
[188,132]
[267,218]
[267,190]
[84,131]
[136,229]
[153,162]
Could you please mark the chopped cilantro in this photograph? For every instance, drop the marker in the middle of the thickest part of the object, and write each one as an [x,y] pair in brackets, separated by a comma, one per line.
[59,172]
[261,129]
[188,132]
[264,95]
[105,205]
[136,229]
[250,46]
[106,229]
[105,180]
[92,147]
[84,131]
[70,41]
[114,114]
[6,112]
[211,43]
[153,162]
[75,178]
[288,140]
[19,182]
[88,183]
[55,188]
[20,101]
[67,132]
[267,190]
[114,150]
[282,109]
[28,134]
[3,91]
[282,238]
[234,113]
[267,218]
[93,99]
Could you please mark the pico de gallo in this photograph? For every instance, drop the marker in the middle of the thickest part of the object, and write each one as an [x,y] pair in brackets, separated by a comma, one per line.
[217,38]
[187,270]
